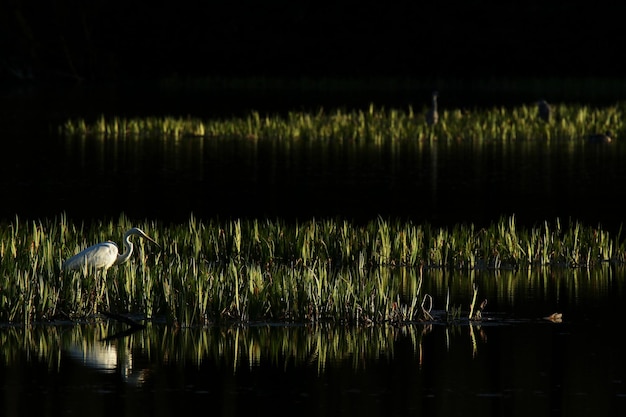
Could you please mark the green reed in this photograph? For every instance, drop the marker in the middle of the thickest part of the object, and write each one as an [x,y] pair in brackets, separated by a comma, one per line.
[375,125]
[240,270]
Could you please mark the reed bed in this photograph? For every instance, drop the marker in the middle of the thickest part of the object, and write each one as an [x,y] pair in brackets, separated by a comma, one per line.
[249,270]
[371,125]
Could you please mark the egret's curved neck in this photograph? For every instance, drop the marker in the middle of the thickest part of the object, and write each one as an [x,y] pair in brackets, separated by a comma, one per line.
[128,250]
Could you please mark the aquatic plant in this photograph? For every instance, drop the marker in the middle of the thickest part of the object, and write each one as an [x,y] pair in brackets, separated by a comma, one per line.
[246,270]
[376,125]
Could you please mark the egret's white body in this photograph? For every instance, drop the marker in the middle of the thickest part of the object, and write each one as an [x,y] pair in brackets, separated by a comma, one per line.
[432,117]
[106,254]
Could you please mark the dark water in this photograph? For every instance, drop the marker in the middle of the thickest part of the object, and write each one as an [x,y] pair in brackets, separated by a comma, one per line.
[42,174]
[513,363]
[441,183]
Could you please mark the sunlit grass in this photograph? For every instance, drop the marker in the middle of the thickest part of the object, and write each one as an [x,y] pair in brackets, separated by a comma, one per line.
[248,270]
[372,125]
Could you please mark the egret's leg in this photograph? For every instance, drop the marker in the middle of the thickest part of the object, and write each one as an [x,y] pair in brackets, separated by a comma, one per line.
[103,293]
[106,290]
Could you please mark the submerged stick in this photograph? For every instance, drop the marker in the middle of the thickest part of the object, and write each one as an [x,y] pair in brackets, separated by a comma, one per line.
[132,323]
[478,315]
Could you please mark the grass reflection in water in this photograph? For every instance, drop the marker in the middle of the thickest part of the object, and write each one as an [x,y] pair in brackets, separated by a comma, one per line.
[95,345]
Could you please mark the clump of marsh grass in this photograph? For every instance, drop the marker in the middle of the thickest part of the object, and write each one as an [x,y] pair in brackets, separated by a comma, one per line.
[248,270]
[376,125]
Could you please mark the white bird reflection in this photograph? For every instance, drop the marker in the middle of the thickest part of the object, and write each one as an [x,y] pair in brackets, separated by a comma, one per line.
[110,357]
[101,357]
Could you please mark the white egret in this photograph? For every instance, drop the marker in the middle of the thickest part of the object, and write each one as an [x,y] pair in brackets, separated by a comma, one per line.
[432,117]
[105,254]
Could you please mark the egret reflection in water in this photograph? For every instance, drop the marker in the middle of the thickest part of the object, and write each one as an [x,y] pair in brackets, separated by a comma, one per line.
[109,355]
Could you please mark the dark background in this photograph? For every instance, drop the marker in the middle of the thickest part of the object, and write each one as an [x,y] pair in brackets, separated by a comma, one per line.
[69,40]
[82,59]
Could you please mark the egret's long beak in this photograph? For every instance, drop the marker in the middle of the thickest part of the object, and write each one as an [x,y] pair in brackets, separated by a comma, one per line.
[145,236]
[153,241]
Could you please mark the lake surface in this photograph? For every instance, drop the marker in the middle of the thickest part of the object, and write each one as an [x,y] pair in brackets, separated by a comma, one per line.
[514,362]
[42,174]
[440,182]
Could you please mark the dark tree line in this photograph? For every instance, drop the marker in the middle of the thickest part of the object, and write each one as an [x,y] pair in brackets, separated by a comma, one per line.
[110,40]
